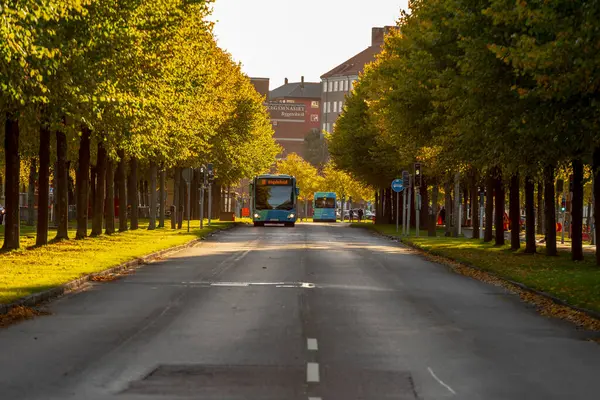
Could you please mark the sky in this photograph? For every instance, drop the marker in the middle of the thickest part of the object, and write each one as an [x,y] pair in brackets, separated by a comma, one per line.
[283,38]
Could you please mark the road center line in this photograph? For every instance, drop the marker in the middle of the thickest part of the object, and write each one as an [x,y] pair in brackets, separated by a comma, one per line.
[314,398]
[312,372]
[440,381]
[312,344]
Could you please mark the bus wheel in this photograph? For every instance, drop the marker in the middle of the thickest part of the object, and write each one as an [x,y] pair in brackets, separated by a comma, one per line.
[289,224]
[259,224]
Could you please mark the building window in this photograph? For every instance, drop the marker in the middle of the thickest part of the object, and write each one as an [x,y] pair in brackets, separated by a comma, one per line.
[328,106]
[341,106]
[335,106]
[330,86]
[314,118]
[325,127]
[314,104]
[346,85]
[325,86]
[335,86]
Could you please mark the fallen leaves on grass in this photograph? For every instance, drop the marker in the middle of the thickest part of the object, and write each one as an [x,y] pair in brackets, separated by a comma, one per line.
[18,314]
[545,305]
[105,278]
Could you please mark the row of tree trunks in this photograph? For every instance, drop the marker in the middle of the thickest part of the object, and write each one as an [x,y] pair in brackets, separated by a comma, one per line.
[43,187]
[448,206]
[596,178]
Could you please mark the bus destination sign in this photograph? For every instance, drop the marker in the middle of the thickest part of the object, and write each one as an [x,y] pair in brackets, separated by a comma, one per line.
[275,182]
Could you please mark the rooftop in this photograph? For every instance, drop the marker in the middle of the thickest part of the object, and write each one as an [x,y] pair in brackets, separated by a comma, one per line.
[309,90]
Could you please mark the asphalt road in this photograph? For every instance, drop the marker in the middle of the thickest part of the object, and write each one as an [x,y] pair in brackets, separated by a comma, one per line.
[313,312]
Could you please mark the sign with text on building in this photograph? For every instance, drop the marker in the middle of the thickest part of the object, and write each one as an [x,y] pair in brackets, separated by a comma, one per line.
[286,112]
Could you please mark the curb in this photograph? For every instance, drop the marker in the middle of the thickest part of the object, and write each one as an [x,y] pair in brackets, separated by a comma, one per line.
[554,299]
[37,298]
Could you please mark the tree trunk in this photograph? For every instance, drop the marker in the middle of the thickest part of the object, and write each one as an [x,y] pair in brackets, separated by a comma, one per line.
[489,207]
[388,206]
[11,192]
[43,187]
[465,207]
[529,216]
[435,191]
[456,218]
[146,191]
[424,205]
[83,180]
[448,207]
[216,194]
[182,198]
[31,193]
[152,224]
[62,187]
[577,212]
[176,184]
[515,213]
[132,193]
[474,205]
[550,211]
[596,200]
[499,208]
[92,195]
[163,179]
[123,195]
[194,196]
[98,216]
[540,207]
[110,197]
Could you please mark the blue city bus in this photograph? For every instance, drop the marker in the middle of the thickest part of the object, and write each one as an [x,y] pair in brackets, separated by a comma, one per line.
[324,207]
[274,200]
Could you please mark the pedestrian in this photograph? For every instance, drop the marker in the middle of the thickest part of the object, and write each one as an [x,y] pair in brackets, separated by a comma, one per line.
[351,215]
[360,214]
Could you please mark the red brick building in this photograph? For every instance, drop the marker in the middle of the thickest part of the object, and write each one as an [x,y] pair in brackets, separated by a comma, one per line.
[295,110]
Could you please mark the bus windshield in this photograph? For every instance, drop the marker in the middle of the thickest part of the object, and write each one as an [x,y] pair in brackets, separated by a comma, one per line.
[274,198]
[324,202]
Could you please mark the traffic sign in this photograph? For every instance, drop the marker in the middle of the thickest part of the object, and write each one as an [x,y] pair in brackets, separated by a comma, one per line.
[187,175]
[397,185]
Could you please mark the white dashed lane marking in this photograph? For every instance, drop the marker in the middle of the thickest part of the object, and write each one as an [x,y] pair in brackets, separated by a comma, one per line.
[312,372]
[312,345]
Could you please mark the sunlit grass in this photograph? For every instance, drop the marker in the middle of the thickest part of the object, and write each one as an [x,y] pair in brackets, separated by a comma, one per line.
[30,270]
[578,283]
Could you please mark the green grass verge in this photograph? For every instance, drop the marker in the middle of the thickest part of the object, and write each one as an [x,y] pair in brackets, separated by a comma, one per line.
[30,270]
[577,283]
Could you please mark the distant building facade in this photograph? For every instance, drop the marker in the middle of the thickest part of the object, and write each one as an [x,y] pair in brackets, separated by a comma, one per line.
[262,86]
[338,82]
[295,111]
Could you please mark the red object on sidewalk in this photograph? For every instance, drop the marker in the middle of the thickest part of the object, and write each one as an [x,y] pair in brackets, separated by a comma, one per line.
[558,227]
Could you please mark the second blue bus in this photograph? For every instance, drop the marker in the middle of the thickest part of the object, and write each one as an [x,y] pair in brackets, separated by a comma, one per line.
[324,205]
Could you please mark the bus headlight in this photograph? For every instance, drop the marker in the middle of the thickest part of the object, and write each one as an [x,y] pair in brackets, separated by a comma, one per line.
[256,216]
[291,216]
